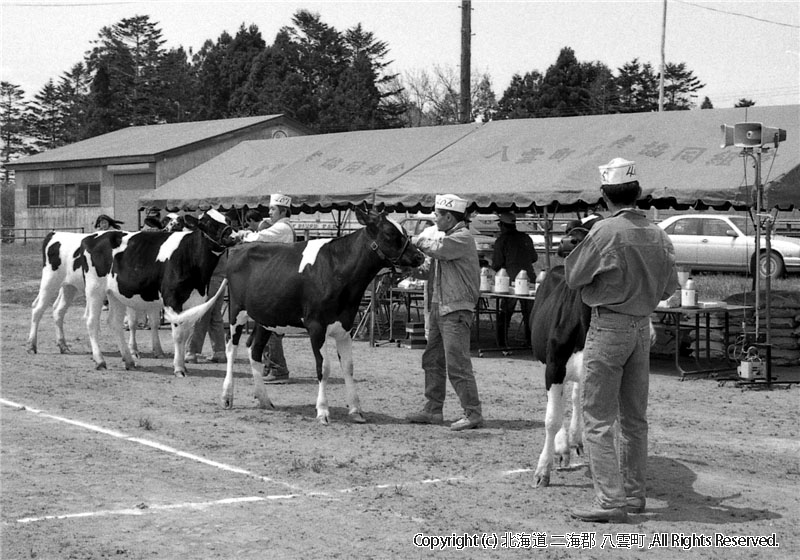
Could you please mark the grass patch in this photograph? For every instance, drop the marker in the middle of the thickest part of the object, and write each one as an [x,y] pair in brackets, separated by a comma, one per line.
[717,287]
[21,270]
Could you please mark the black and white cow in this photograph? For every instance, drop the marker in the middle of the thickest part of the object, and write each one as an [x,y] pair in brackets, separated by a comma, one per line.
[62,279]
[316,285]
[559,322]
[147,269]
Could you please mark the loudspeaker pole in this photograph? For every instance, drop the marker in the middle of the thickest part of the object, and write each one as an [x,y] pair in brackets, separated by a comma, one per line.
[466,55]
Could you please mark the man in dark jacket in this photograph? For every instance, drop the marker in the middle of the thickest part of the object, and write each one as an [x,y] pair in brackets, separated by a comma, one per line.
[513,251]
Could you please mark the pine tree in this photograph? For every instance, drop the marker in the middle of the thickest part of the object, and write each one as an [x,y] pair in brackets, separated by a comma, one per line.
[520,98]
[564,90]
[73,90]
[680,85]
[47,114]
[125,64]
[14,132]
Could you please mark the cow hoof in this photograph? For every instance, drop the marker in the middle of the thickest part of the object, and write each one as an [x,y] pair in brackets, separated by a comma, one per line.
[323,419]
[63,348]
[541,481]
[180,373]
[32,349]
[101,365]
[226,402]
[357,418]
[264,405]
[130,365]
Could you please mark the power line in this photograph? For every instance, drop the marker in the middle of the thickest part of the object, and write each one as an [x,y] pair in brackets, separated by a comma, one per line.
[738,14]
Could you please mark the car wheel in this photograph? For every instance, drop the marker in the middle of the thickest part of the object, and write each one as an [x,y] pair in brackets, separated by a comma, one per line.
[776,265]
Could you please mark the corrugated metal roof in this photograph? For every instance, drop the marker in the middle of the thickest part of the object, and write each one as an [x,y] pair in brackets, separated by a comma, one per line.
[143,141]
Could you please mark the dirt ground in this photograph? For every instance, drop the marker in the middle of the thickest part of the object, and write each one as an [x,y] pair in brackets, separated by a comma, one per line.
[140,464]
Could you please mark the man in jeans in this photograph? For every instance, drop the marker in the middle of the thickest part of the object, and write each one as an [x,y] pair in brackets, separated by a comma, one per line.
[623,267]
[453,290]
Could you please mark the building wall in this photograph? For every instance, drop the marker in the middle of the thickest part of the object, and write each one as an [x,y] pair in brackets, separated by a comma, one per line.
[61,217]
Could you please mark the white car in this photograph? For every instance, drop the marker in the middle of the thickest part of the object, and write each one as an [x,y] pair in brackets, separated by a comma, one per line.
[727,243]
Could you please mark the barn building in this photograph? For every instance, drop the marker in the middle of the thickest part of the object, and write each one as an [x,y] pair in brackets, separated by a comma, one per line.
[69,187]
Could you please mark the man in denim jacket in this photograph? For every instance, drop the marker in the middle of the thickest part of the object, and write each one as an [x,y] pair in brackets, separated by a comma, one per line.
[623,267]
[453,291]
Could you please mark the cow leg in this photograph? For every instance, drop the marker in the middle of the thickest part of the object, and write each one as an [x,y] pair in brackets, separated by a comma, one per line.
[116,315]
[344,347]
[180,336]
[317,336]
[552,424]
[231,349]
[65,296]
[575,372]
[259,341]
[45,297]
[154,315]
[130,315]
[94,305]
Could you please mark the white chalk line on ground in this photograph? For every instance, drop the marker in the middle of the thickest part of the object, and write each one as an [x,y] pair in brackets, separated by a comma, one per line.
[229,468]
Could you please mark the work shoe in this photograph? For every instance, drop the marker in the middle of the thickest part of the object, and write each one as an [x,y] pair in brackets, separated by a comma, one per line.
[425,417]
[635,505]
[597,514]
[276,379]
[467,423]
[218,358]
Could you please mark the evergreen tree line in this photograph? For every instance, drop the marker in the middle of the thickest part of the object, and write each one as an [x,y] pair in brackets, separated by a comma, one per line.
[328,80]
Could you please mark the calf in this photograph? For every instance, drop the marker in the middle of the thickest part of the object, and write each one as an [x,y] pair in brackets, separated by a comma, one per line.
[317,285]
[62,279]
[148,269]
[559,322]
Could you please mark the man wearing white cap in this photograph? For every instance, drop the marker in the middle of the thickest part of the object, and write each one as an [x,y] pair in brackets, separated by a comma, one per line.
[281,231]
[623,268]
[453,291]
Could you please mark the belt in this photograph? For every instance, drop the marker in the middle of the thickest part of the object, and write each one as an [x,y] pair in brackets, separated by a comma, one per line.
[606,311]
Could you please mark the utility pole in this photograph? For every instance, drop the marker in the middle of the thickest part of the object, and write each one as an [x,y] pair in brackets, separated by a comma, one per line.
[466,56]
[663,63]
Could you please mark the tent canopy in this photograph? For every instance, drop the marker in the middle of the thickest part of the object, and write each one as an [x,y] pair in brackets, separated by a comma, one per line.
[522,164]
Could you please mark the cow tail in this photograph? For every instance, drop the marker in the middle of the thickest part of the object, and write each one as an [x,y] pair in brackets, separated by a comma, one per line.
[192,314]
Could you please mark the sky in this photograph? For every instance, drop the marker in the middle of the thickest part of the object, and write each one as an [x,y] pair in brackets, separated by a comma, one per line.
[738,49]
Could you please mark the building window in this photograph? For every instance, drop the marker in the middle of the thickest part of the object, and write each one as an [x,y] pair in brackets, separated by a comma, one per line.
[58,195]
[80,194]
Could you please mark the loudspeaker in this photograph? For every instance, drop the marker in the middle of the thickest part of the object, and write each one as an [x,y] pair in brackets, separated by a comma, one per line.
[727,135]
[772,135]
[748,135]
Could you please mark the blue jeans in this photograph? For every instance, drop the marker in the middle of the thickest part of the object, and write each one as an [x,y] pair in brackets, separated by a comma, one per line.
[447,355]
[615,386]
[211,323]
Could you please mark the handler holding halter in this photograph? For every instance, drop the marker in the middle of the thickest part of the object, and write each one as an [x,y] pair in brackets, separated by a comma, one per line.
[453,291]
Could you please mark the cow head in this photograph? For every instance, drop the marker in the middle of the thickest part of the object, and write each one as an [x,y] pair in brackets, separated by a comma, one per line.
[577,230]
[389,240]
[214,227]
[173,222]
